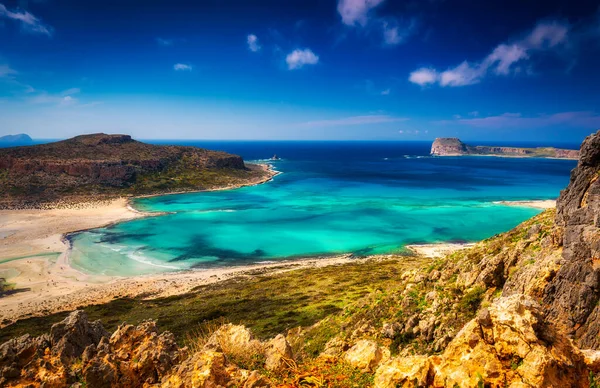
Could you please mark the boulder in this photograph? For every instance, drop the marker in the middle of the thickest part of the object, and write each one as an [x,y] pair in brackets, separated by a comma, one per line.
[510,344]
[405,372]
[366,355]
[204,369]
[72,335]
[277,351]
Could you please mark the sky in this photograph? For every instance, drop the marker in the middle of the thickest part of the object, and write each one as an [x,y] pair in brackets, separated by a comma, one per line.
[301,69]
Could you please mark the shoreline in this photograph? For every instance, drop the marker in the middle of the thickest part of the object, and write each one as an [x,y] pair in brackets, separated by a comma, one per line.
[437,250]
[35,246]
[39,241]
[535,204]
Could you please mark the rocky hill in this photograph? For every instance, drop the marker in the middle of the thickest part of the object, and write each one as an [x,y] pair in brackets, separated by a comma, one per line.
[102,166]
[452,146]
[519,309]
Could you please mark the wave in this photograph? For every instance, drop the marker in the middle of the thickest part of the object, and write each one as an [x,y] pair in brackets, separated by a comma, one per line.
[135,256]
[214,211]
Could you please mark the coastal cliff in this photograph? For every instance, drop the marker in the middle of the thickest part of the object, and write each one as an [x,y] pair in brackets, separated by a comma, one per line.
[106,166]
[519,309]
[452,146]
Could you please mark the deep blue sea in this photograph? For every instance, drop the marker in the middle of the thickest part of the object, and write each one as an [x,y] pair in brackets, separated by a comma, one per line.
[331,198]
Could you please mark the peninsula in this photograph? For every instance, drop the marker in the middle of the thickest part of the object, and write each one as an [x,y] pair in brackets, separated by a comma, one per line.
[100,167]
[452,146]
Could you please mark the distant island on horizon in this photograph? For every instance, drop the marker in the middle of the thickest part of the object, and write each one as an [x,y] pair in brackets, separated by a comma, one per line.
[16,140]
[453,146]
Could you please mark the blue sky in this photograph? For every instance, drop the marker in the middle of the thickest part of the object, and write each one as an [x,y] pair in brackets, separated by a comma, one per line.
[301,69]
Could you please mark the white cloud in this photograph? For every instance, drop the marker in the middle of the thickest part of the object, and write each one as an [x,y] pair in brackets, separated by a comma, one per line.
[423,76]
[355,12]
[386,92]
[253,44]
[355,120]
[461,75]
[28,21]
[298,58]
[504,56]
[182,67]
[547,35]
[502,60]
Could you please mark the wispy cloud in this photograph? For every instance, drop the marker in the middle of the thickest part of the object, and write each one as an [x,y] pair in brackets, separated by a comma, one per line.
[361,14]
[182,67]
[64,98]
[577,119]
[298,58]
[505,59]
[253,44]
[354,120]
[164,42]
[386,92]
[28,21]
[6,71]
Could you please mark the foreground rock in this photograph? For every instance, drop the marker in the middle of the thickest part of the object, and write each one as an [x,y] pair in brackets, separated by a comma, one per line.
[507,345]
[573,295]
[79,351]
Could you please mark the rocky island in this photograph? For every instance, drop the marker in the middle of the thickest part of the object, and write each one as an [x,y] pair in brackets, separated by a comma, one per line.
[15,140]
[520,309]
[102,166]
[452,146]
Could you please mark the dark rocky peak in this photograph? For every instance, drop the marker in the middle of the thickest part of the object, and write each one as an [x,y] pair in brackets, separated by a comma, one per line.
[573,295]
[101,138]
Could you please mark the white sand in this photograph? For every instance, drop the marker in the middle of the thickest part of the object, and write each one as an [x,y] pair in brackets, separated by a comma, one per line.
[34,257]
[540,204]
[438,250]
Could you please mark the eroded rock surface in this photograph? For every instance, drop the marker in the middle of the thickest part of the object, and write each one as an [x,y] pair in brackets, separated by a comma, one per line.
[573,295]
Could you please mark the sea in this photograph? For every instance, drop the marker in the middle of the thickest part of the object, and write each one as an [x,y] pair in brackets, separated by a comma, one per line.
[330,198]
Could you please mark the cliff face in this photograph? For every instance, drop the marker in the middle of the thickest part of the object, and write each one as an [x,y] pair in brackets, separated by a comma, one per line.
[104,165]
[454,147]
[573,295]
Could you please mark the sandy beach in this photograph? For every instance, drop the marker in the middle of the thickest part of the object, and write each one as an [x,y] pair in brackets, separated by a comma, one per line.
[539,204]
[437,250]
[34,258]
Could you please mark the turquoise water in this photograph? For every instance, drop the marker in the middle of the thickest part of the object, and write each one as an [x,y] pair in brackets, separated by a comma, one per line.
[361,198]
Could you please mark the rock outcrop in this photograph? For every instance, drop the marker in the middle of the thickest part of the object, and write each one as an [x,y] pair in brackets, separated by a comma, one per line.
[573,295]
[509,344]
[81,352]
[452,146]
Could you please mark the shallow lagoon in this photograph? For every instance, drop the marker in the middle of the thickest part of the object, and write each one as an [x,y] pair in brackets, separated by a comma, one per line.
[332,198]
